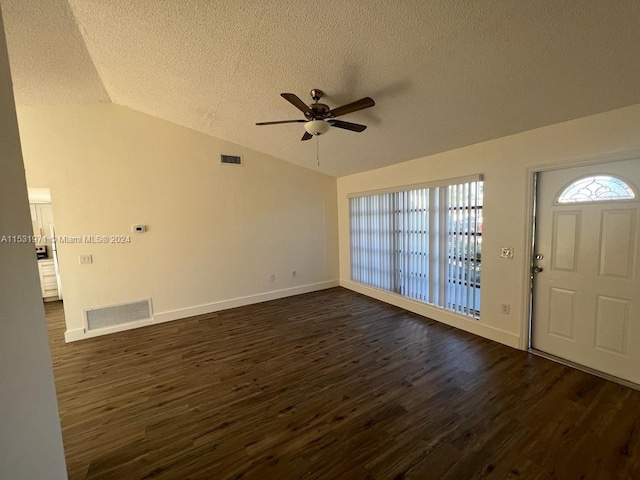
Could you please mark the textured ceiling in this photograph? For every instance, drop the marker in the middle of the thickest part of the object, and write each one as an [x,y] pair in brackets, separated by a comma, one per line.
[443,73]
[50,63]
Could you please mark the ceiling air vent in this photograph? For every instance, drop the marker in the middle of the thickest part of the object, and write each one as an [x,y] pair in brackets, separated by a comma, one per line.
[231,159]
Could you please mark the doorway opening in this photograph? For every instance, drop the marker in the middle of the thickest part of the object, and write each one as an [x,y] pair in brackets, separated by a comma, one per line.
[45,242]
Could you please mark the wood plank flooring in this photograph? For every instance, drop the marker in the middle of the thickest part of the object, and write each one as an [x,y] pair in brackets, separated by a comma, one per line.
[331,385]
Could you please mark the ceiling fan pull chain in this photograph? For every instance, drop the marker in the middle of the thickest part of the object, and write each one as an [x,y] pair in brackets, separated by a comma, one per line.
[318,149]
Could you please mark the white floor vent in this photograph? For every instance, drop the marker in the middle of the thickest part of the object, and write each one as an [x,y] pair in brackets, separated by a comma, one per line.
[96,318]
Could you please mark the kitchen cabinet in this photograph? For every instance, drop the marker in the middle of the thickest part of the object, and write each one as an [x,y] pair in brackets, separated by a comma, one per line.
[48,280]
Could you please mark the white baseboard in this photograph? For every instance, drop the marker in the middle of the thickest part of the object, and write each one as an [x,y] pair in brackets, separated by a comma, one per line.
[435,313]
[168,316]
[80,333]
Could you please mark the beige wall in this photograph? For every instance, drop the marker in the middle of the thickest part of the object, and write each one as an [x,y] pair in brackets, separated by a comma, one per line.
[30,438]
[215,232]
[505,164]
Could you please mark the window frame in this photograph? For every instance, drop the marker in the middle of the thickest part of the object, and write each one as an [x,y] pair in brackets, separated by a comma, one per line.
[439,236]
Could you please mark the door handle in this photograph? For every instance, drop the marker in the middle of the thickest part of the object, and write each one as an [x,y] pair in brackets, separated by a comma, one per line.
[536,269]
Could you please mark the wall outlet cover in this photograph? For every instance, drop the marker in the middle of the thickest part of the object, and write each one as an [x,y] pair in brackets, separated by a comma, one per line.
[506,252]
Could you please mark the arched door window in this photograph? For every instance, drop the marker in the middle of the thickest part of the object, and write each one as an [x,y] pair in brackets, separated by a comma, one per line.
[596,188]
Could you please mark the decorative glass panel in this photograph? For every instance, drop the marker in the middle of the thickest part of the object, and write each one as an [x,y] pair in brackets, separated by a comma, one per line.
[596,188]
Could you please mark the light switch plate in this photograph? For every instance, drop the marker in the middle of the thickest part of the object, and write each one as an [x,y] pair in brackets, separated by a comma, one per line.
[506,252]
[86,259]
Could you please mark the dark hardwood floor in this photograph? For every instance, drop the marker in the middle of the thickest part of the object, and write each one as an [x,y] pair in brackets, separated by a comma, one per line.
[331,385]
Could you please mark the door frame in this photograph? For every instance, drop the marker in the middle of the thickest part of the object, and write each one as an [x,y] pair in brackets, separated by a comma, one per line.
[529,240]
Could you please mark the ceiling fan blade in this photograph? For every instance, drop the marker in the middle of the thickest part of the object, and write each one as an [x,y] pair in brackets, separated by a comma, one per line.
[281,121]
[296,102]
[354,127]
[306,136]
[361,104]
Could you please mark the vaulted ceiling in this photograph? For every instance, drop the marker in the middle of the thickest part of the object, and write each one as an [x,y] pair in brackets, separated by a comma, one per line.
[443,73]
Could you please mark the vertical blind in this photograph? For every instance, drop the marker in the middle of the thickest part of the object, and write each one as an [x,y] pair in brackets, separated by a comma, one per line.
[423,243]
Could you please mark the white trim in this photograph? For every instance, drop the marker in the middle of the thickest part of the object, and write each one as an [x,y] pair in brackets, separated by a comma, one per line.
[586,161]
[417,186]
[525,337]
[527,248]
[441,315]
[168,316]
[81,333]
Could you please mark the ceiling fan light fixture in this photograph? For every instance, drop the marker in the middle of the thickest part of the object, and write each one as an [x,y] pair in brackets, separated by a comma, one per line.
[317,127]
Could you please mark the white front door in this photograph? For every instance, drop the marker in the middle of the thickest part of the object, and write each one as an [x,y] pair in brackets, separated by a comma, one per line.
[586,298]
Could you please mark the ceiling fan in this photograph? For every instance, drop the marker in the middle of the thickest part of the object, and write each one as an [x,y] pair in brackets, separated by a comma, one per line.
[319,118]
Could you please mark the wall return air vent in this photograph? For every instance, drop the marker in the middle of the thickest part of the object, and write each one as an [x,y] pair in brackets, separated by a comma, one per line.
[231,159]
[114,315]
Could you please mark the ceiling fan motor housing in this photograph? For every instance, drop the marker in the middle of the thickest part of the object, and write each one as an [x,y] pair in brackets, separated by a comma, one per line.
[319,111]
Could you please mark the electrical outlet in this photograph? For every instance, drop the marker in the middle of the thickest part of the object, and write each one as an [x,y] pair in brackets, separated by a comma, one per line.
[272,278]
[86,259]
[506,309]
[506,252]
[294,274]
